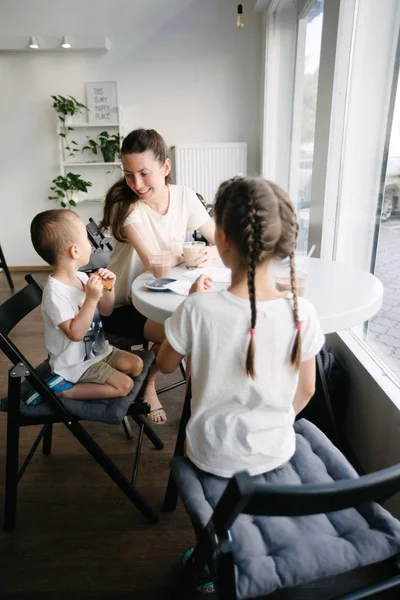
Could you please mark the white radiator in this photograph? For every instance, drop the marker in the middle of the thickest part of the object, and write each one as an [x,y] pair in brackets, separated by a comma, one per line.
[202,167]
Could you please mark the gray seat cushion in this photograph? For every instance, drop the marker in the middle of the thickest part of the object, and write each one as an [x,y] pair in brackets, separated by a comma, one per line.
[279,552]
[107,411]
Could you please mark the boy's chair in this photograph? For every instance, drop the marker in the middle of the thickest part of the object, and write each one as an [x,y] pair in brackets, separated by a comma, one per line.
[55,410]
[310,520]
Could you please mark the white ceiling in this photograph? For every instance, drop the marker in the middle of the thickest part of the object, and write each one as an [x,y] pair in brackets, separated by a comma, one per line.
[112,18]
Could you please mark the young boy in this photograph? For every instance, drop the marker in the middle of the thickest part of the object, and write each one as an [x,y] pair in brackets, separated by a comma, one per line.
[86,367]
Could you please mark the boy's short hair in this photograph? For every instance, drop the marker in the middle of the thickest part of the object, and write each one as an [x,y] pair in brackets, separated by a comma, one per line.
[51,233]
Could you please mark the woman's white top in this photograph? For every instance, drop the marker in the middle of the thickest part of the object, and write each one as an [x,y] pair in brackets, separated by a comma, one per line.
[167,232]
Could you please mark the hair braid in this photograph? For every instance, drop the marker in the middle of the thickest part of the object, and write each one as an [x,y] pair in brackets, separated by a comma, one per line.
[296,349]
[290,230]
[253,247]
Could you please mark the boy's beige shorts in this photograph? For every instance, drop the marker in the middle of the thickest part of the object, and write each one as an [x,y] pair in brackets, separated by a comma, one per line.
[102,370]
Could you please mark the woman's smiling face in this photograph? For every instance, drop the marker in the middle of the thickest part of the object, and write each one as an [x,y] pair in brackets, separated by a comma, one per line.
[145,175]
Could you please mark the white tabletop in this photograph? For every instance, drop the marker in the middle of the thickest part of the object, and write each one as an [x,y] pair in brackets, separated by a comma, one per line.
[343,296]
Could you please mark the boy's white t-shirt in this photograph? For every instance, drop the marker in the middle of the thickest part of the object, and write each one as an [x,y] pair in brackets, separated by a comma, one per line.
[167,232]
[69,359]
[238,423]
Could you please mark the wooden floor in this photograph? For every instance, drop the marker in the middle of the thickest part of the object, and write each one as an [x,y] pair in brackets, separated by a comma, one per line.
[77,535]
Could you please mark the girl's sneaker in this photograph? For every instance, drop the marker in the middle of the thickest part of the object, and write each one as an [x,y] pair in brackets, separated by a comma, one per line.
[202,588]
[56,383]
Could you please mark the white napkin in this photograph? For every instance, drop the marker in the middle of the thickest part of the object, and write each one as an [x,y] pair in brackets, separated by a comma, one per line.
[180,286]
[217,274]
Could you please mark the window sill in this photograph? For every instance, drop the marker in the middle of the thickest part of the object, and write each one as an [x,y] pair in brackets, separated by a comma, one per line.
[373,367]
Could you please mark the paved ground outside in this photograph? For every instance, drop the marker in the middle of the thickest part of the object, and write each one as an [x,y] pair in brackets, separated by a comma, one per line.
[384,328]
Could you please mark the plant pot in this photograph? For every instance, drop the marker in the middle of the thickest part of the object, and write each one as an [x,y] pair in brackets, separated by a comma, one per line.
[108,155]
[68,121]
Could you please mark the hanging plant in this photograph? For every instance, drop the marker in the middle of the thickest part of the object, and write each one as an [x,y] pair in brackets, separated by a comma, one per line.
[110,145]
[66,188]
[67,107]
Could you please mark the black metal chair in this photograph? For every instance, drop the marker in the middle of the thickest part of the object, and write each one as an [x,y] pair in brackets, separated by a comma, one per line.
[197,237]
[97,237]
[55,410]
[260,534]
[102,249]
[3,265]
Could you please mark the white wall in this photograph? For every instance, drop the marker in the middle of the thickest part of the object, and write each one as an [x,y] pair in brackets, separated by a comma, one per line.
[195,79]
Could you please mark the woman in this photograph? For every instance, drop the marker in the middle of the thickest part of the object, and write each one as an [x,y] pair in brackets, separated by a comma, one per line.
[145,213]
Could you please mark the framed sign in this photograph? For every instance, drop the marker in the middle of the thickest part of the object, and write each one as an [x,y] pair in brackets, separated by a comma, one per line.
[102,102]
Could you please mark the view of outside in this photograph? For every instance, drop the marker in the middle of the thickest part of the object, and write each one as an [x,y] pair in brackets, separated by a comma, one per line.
[383,332]
[309,104]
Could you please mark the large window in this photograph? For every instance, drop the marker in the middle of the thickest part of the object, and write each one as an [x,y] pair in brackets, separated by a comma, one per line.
[383,331]
[304,114]
[329,115]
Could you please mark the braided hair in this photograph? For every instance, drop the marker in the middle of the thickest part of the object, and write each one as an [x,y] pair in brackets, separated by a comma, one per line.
[259,218]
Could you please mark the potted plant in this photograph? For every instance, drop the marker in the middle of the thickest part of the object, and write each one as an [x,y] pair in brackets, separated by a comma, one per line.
[66,189]
[66,108]
[108,144]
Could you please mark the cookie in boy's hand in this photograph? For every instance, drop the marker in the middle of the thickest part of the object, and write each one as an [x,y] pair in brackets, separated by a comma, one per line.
[106,283]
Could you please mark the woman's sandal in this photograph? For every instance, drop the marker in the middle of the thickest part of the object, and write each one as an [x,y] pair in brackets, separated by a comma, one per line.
[156,412]
[202,588]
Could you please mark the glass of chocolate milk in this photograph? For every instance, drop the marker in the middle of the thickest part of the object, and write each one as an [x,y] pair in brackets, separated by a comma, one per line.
[160,263]
[282,281]
[191,252]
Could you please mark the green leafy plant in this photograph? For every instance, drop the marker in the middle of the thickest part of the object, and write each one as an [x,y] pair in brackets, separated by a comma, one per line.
[108,144]
[64,188]
[67,107]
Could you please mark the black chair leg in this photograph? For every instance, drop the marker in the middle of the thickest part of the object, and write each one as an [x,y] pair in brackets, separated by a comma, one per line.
[12,456]
[335,436]
[171,493]
[127,428]
[4,266]
[148,431]
[47,439]
[112,470]
[137,456]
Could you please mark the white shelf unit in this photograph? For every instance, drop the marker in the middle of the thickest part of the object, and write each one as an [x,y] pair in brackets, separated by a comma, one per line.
[104,174]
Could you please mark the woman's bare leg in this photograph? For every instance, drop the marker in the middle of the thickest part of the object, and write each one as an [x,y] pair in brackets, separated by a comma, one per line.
[154,332]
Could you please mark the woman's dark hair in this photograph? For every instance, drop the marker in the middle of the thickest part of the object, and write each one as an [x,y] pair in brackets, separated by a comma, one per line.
[259,218]
[120,197]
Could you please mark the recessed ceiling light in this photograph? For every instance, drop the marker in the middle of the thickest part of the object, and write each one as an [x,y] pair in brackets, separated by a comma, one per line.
[65,42]
[33,43]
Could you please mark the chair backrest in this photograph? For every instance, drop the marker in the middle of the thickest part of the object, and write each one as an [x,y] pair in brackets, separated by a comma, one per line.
[96,236]
[13,310]
[243,495]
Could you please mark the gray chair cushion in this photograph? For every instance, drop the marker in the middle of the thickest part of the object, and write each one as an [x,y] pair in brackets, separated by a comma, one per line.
[279,552]
[107,411]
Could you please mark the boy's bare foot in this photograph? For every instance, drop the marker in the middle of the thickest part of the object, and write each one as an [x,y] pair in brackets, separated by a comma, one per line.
[157,413]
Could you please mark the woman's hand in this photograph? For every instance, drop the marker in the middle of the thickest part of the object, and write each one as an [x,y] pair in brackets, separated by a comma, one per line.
[208,254]
[202,284]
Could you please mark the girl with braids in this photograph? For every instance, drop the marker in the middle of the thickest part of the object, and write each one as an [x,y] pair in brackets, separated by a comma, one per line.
[145,212]
[252,348]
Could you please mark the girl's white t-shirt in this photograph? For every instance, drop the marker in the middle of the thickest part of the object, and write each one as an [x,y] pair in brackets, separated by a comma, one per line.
[167,232]
[239,423]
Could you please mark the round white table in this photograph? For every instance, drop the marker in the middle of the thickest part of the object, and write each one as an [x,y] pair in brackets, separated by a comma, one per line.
[343,296]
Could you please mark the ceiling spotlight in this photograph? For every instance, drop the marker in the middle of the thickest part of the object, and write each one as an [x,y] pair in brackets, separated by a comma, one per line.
[65,42]
[33,43]
[239,18]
